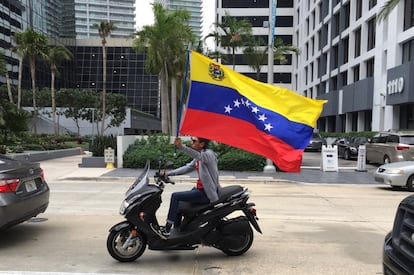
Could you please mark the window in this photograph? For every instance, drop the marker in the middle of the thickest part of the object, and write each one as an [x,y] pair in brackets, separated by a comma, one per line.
[345,45]
[357,35]
[408,51]
[335,25]
[334,57]
[356,73]
[372,3]
[334,83]
[371,34]
[344,78]
[370,67]
[358,9]
[408,14]
[346,13]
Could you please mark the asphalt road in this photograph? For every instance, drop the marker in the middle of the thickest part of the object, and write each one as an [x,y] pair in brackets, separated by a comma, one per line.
[307,228]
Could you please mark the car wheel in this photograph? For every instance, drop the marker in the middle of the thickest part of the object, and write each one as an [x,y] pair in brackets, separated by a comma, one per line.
[410,183]
[346,155]
[387,159]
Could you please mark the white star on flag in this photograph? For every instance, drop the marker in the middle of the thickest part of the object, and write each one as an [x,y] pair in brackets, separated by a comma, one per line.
[268,127]
[227,109]
[262,117]
[236,103]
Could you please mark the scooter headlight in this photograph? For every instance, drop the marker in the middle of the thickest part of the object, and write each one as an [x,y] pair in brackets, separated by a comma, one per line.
[124,206]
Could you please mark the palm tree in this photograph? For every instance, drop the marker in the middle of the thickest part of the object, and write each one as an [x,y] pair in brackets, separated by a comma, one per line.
[55,56]
[232,34]
[256,55]
[104,29]
[32,45]
[165,45]
[19,50]
[386,9]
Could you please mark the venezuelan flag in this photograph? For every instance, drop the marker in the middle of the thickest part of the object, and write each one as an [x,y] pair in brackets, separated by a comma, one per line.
[233,109]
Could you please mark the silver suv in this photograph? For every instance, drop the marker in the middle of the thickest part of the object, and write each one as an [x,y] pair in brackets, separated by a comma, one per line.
[387,147]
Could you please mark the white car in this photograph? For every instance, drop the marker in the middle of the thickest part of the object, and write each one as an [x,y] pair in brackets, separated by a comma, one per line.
[397,174]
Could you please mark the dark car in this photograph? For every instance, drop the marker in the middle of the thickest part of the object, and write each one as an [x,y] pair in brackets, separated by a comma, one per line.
[398,252]
[348,146]
[316,142]
[24,192]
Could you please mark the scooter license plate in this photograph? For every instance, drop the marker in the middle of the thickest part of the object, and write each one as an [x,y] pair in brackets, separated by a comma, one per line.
[30,186]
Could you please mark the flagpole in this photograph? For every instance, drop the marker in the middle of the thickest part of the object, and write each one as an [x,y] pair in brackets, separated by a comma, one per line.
[269,167]
[183,89]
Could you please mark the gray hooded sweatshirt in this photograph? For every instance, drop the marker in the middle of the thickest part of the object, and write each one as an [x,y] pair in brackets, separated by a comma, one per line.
[207,170]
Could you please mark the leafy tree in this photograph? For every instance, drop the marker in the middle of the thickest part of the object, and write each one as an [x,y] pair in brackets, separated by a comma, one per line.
[232,34]
[55,56]
[32,45]
[104,29]
[12,120]
[386,9]
[76,103]
[165,43]
[4,72]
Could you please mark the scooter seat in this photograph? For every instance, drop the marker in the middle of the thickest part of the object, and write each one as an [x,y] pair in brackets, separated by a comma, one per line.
[224,193]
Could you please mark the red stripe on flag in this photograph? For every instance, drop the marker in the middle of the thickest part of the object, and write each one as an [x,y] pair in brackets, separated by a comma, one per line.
[243,135]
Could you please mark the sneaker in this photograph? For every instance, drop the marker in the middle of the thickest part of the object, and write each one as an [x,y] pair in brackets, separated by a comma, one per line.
[164,231]
[160,231]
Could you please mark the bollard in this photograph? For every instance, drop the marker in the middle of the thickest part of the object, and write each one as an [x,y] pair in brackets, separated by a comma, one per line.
[109,158]
[361,167]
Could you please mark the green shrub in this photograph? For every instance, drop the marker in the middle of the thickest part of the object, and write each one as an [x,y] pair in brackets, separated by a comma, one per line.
[229,158]
[32,147]
[100,143]
[239,160]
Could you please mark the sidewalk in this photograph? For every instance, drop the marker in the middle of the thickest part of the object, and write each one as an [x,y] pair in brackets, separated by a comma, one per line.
[70,171]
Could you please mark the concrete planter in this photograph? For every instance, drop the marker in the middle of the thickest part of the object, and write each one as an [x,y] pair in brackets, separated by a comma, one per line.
[91,161]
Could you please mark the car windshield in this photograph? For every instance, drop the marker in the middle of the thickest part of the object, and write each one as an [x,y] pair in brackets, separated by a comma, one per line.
[407,140]
[316,135]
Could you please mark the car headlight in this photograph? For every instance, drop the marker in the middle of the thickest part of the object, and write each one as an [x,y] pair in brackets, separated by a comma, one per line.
[124,205]
[353,149]
[394,171]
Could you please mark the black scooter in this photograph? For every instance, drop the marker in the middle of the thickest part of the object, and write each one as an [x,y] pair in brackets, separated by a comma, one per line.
[205,224]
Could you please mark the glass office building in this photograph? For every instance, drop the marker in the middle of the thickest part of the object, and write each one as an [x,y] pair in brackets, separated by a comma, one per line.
[58,19]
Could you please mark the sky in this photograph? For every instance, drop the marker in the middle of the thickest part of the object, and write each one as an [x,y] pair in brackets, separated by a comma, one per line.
[145,16]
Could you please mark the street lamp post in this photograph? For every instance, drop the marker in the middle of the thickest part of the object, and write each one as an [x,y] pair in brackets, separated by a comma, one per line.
[269,167]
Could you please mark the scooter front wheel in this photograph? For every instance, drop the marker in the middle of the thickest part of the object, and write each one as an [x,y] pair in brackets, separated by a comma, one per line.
[126,244]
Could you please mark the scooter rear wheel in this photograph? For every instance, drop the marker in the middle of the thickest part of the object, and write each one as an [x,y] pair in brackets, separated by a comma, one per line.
[119,250]
[240,243]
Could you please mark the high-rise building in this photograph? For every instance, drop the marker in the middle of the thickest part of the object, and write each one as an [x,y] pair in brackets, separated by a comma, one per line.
[193,7]
[68,22]
[257,13]
[361,66]
[89,12]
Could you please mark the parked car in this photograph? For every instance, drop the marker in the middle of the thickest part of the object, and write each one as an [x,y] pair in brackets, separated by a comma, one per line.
[397,255]
[316,142]
[24,192]
[348,146]
[397,174]
[387,147]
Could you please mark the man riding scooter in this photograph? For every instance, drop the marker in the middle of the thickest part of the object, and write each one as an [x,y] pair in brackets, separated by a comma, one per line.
[206,190]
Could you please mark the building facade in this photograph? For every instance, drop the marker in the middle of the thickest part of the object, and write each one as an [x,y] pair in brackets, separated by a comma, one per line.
[362,66]
[87,13]
[193,7]
[125,68]
[257,13]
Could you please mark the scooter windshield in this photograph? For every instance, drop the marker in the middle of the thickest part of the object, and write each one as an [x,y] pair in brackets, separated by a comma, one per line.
[141,181]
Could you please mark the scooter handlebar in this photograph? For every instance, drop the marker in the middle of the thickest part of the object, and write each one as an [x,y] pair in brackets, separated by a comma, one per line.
[163,178]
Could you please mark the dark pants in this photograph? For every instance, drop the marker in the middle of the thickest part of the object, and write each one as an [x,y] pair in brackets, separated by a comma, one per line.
[192,196]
